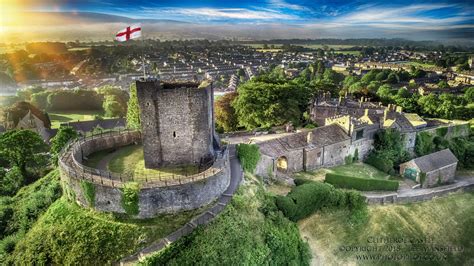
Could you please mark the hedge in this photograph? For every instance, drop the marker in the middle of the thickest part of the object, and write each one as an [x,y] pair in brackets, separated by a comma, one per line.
[364,184]
[249,155]
[311,196]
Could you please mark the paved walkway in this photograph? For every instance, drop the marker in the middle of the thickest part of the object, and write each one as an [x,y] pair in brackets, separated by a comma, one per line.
[405,195]
[203,219]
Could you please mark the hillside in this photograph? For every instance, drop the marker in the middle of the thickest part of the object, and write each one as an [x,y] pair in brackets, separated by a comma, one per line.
[440,224]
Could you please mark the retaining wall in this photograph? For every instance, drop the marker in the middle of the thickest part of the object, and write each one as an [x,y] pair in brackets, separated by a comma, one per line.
[155,197]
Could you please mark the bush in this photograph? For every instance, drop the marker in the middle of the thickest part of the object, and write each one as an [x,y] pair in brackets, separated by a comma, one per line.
[302,181]
[249,155]
[69,234]
[89,192]
[348,159]
[364,184]
[130,198]
[379,161]
[305,199]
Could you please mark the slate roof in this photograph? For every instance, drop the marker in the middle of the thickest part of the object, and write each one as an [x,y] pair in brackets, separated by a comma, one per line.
[321,136]
[87,126]
[435,160]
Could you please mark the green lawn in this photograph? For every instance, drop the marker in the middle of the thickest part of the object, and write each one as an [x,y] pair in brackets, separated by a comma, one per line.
[72,116]
[359,170]
[445,222]
[129,160]
[356,169]
[423,65]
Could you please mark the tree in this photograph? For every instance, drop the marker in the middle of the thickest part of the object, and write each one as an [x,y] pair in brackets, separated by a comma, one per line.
[10,181]
[133,110]
[261,104]
[113,107]
[21,147]
[64,135]
[443,84]
[469,95]
[384,92]
[392,78]
[226,119]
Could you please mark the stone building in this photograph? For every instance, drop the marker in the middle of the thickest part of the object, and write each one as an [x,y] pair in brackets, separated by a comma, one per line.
[177,122]
[321,147]
[432,169]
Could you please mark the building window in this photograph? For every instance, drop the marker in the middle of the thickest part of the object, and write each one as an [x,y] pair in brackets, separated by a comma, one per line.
[282,164]
[174,134]
[359,134]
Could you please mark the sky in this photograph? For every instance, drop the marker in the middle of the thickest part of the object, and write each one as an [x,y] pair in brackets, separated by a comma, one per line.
[443,19]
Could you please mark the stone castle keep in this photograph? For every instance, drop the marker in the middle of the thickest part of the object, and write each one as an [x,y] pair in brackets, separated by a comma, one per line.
[177,123]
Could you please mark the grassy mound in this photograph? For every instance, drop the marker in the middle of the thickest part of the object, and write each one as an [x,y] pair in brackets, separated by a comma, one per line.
[68,234]
[19,213]
[250,231]
[444,222]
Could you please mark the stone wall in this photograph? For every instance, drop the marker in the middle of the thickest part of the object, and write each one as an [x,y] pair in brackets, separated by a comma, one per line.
[177,123]
[154,197]
[440,176]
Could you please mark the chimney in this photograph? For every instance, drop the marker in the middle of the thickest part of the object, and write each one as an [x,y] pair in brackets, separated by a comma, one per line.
[366,112]
[399,109]
[340,99]
[309,137]
[385,113]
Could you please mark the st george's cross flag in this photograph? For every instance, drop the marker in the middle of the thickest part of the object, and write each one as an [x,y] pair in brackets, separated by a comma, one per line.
[131,32]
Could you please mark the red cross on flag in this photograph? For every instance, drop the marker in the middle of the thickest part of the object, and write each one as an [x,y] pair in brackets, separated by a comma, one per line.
[131,32]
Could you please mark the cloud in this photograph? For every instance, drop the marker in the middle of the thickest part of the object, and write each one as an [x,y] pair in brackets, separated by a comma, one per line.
[286,5]
[225,13]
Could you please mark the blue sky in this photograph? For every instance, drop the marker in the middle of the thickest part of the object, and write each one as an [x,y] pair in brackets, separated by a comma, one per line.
[384,17]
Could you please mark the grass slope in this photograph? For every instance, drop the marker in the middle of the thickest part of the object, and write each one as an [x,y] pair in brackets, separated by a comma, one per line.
[19,213]
[69,234]
[250,231]
[447,221]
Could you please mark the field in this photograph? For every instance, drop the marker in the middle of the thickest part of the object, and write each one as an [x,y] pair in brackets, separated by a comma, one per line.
[423,65]
[442,222]
[356,169]
[129,160]
[72,116]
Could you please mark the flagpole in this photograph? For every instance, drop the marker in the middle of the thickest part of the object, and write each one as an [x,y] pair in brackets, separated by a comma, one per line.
[143,53]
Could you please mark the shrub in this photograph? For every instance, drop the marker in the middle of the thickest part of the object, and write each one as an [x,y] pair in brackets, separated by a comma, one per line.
[130,198]
[305,199]
[89,192]
[380,162]
[356,155]
[348,159]
[364,184]
[355,200]
[302,181]
[442,131]
[422,178]
[249,155]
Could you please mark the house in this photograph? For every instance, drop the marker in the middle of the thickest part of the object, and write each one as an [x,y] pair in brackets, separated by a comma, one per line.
[432,169]
[23,115]
[320,147]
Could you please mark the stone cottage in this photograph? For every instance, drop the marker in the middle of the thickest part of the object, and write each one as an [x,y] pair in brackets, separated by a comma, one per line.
[432,169]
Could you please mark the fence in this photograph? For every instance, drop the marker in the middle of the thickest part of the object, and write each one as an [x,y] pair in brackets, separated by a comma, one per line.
[71,158]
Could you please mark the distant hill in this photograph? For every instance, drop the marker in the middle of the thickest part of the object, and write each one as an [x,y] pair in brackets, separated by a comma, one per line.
[65,18]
